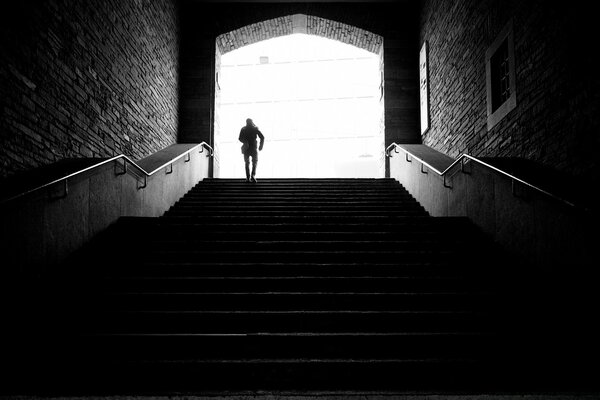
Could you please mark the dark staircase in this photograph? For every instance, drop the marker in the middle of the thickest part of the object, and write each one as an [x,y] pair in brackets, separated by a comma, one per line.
[286,286]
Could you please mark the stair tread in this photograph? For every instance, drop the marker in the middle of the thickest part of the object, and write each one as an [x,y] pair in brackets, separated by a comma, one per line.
[310,360]
[317,283]
[291,334]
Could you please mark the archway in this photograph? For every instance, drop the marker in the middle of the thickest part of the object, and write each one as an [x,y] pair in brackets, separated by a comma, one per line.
[368,49]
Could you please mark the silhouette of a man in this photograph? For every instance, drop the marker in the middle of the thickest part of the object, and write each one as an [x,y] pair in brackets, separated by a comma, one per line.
[248,136]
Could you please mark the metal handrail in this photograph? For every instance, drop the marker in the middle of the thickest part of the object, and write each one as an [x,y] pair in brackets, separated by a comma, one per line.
[126,160]
[461,159]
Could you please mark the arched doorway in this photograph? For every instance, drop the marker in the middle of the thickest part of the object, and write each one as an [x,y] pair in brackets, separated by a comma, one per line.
[326,120]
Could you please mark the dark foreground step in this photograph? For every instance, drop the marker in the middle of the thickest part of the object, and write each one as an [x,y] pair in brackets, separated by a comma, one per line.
[306,284]
[216,377]
[291,220]
[171,235]
[290,301]
[350,346]
[277,269]
[193,226]
[274,243]
[296,285]
[220,322]
[386,223]
[294,256]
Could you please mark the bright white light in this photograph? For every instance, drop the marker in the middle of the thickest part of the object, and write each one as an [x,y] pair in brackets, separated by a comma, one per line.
[317,101]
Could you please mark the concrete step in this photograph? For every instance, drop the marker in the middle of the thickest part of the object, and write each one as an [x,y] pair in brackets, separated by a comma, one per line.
[300,218]
[301,184]
[253,322]
[303,284]
[216,377]
[296,193]
[292,212]
[336,346]
[342,284]
[360,189]
[278,269]
[290,301]
[332,224]
[203,233]
[325,196]
[300,180]
[272,243]
[325,256]
[297,206]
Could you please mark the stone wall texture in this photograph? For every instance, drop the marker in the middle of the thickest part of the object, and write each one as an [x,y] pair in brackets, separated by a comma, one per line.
[556,120]
[86,79]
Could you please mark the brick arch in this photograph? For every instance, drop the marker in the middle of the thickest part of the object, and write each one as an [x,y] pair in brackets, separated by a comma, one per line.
[299,23]
[283,26]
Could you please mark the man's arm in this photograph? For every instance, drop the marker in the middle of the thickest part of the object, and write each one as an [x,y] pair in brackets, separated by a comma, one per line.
[241,138]
[262,140]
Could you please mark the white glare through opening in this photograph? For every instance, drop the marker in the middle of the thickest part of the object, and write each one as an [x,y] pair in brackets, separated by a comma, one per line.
[317,101]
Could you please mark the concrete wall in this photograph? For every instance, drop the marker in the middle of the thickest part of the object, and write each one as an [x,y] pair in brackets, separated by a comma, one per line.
[203,22]
[556,121]
[217,115]
[86,79]
[41,229]
[539,232]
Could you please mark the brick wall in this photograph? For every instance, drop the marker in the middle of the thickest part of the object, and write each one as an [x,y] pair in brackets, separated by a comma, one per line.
[86,79]
[556,120]
[299,23]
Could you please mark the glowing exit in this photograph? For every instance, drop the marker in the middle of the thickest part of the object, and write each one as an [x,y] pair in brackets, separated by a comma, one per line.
[317,101]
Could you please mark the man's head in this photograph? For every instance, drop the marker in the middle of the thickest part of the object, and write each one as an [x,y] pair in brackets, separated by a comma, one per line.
[249,122]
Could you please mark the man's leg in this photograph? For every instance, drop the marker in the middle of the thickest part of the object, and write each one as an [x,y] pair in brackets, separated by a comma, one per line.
[247,162]
[254,163]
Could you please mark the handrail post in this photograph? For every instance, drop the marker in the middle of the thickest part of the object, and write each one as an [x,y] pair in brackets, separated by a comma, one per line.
[462,166]
[65,191]
[445,184]
[388,150]
[514,184]
[208,147]
[123,171]
[145,183]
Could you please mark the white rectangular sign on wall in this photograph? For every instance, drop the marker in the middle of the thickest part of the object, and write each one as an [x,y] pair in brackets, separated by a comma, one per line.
[424,88]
